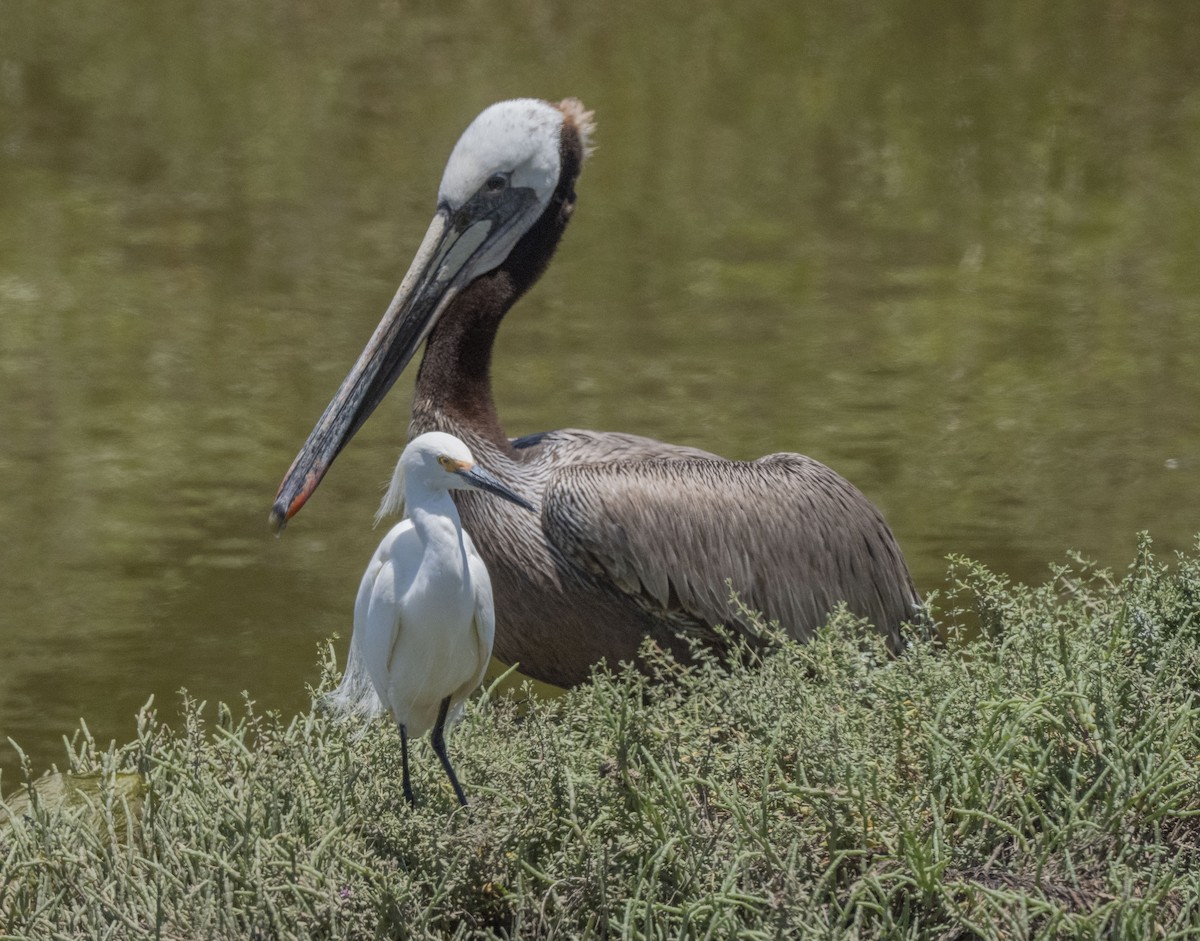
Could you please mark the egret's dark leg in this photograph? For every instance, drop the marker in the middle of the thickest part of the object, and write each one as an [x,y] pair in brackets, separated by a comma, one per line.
[408,793]
[438,740]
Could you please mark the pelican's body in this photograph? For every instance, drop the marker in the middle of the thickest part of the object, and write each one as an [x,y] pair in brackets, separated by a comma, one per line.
[635,537]
[606,563]
[424,619]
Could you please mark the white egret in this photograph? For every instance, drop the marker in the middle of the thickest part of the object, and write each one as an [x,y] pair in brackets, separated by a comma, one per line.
[423,621]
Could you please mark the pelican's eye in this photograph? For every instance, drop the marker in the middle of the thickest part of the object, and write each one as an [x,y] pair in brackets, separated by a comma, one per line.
[496,182]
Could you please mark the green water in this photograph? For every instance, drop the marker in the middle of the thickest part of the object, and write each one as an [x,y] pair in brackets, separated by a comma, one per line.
[951,250]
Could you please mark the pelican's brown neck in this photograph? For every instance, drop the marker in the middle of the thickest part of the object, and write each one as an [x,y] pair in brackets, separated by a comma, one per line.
[455,373]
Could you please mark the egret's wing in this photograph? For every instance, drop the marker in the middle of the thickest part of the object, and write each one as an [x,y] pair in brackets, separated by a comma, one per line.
[791,536]
[358,694]
[485,612]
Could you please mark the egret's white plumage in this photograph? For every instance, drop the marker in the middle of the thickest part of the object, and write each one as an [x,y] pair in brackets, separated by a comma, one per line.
[423,621]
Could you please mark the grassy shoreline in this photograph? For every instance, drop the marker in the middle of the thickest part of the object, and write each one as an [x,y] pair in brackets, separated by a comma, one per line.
[1042,781]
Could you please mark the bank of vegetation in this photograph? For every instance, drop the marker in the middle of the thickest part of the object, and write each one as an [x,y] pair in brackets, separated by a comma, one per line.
[1039,781]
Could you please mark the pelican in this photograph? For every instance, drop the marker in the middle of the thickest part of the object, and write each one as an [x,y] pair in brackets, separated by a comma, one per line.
[424,620]
[635,538]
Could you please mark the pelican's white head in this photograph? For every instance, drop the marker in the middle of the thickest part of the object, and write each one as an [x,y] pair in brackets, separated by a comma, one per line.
[434,463]
[516,141]
[503,171]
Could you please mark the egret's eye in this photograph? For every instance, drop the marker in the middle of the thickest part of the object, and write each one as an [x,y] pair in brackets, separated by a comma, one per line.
[496,182]
[447,462]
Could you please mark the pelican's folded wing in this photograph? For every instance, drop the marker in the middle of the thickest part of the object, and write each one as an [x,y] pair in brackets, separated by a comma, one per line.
[789,535]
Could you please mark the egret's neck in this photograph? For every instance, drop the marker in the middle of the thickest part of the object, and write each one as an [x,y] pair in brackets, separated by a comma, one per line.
[435,518]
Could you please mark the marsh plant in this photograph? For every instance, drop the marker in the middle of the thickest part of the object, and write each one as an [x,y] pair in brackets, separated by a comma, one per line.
[1039,780]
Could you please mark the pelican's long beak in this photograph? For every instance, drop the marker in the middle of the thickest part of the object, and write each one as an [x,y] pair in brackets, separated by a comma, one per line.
[481,479]
[457,247]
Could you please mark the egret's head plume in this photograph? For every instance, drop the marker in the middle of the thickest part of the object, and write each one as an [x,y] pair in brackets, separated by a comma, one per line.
[392,503]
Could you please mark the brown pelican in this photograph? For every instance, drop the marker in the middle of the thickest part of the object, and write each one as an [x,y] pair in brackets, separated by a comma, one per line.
[634,537]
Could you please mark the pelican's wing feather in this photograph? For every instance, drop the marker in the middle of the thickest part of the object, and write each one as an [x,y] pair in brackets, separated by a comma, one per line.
[789,535]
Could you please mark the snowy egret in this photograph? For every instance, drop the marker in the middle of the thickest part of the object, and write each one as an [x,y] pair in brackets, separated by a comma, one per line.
[423,621]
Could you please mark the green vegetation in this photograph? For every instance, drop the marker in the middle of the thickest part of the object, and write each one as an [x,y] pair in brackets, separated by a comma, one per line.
[1042,781]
